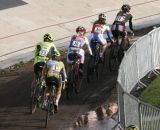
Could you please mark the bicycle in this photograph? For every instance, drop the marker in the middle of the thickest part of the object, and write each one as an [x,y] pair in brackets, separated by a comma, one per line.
[50,103]
[36,98]
[74,77]
[117,51]
[93,62]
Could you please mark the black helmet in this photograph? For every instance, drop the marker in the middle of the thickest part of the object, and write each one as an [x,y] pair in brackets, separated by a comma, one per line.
[102,16]
[48,37]
[126,7]
[131,127]
[55,54]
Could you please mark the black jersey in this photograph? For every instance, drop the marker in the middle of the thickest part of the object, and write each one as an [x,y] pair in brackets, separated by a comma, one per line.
[122,17]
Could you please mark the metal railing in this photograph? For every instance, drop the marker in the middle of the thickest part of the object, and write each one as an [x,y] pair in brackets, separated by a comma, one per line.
[143,57]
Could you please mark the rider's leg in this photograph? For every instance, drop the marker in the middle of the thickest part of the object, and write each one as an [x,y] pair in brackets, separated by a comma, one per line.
[45,94]
[104,49]
[102,41]
[82,58]
[34,81]
[33,85]
[69,65]
[57,98]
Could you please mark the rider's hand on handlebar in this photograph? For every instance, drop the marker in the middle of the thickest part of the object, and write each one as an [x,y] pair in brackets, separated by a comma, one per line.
[132,33]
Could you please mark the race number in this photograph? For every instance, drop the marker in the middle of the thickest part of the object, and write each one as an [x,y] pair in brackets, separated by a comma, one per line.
[98,30]
[43,53]
[55,67]
[76,43]
[120,18]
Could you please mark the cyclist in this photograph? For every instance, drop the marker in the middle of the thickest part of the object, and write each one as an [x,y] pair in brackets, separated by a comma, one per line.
[131,127]
[99,29]
[122,17]
[54,73]
[41,52]
[77,43]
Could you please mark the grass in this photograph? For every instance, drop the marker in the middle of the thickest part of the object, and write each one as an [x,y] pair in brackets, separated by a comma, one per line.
[151,94]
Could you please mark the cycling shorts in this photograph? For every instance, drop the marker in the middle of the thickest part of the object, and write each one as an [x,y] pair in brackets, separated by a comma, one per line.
[38,68]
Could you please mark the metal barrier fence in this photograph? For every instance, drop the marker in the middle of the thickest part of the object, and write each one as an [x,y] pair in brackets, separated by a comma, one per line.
[142,58]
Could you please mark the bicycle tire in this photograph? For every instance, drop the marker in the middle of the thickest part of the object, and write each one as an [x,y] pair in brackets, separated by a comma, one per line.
[34,100]
[73,78]
[49,106]
[69,90]
[33,105]
[113,57]
[47,115]
[76,83]
[89,69]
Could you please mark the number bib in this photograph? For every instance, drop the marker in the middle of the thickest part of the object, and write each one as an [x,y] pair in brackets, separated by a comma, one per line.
[43,53]
[98,30]
[54,70]
[76,44]
[120,18]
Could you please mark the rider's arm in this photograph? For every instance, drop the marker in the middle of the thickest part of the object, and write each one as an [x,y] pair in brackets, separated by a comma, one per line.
[130,23]
[109,33]
[88,46]
[37,49]
[63,71]
[44,71]
[55,49]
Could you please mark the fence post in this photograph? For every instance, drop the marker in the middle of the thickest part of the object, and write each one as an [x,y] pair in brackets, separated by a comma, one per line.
[121,115]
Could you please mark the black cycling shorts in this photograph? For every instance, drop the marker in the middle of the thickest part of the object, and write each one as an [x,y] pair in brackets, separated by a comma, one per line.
[38,68]
[117,30]
[50,81]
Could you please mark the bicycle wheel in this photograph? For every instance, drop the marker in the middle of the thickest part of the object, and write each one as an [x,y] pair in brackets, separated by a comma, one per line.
[69,90]
[76,82]
[48,113]
[34,100]
[96,62]
[33,104]
[113,57]
[90,69]
[49,106]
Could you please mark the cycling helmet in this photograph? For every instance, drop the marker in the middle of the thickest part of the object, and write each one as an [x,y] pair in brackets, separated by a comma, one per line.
[48,37]
[55,54]
[102,16]
[80,29]
[126,7]
[132,127]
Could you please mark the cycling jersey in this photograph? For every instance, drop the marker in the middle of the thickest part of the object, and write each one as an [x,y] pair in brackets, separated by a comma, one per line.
[121,19]
[56,69]
[98,32]
[43,50]
[77,42]
[75,46]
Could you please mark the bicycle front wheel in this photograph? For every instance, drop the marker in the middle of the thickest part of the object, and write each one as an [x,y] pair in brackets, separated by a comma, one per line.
[47,115]
[33,104]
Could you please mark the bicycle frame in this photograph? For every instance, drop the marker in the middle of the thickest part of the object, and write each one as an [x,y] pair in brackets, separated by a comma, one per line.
[37,94]
[73,79]
[50,103]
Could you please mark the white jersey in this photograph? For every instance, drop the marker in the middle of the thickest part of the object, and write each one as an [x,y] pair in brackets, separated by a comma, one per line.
[77,42]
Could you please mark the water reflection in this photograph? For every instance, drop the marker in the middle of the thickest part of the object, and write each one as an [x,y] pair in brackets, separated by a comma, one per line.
[100,119]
